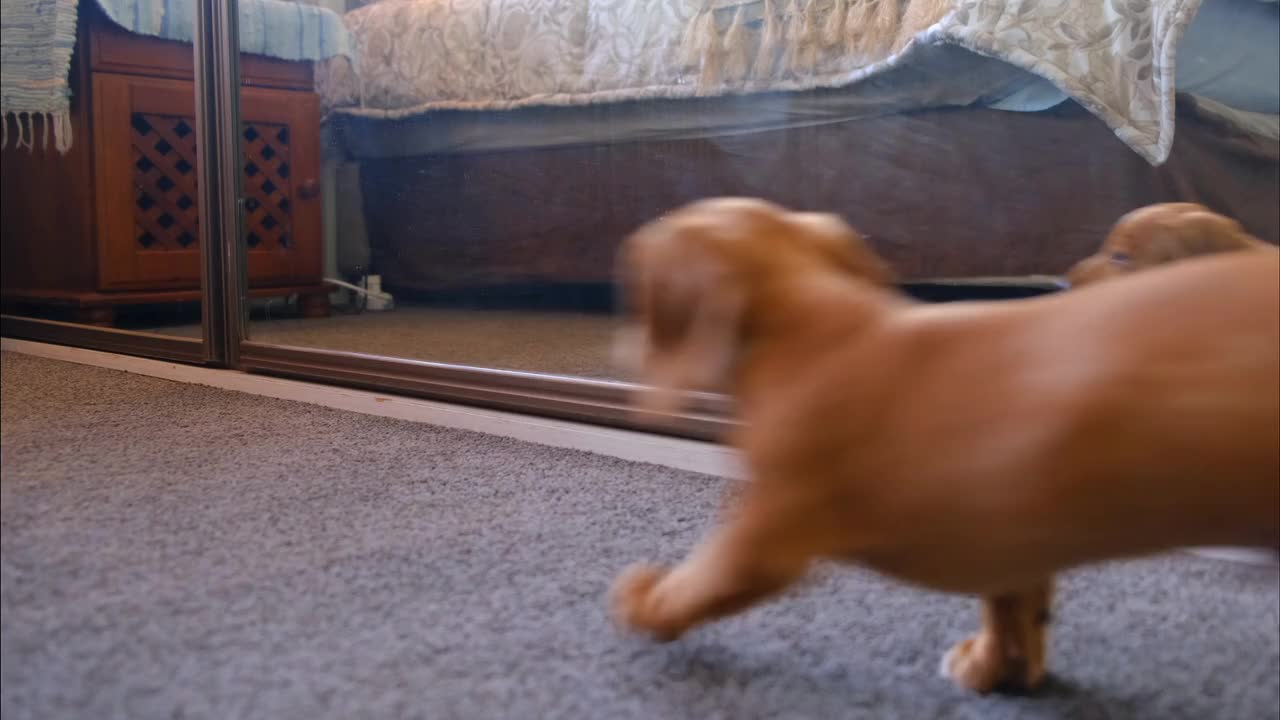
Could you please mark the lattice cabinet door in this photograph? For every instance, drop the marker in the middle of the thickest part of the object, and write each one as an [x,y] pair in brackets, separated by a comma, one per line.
[147,192]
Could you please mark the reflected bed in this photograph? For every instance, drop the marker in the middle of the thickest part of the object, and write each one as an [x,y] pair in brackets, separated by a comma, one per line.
[955,163]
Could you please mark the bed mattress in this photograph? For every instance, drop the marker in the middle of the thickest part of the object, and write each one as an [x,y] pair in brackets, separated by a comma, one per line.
[1115,58]
[939,76]
[1229,55]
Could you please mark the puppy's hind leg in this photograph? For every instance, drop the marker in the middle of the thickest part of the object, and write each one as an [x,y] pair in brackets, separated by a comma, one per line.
[1008,652]
[747,559]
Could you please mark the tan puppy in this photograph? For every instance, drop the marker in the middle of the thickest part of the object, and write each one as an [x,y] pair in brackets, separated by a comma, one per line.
[969,447]
[1160,234]
[1157,235]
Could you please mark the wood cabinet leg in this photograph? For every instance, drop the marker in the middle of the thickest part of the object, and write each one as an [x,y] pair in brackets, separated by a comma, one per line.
[315,305]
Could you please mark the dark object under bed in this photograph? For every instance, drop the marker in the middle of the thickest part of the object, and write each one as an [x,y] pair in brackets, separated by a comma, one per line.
[953,193]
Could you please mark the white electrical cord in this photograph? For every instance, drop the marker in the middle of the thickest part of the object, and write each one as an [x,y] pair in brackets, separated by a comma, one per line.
[371,294]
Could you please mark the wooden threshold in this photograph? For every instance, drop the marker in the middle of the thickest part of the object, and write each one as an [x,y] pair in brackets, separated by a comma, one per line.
[88,298]
[677,453]
[110,340]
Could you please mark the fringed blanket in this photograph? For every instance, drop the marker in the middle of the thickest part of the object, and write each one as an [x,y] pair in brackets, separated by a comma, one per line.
[38,37]
[36,41]
[1114,56]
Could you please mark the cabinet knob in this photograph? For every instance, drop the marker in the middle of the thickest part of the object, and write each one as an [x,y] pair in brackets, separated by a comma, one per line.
[309,189]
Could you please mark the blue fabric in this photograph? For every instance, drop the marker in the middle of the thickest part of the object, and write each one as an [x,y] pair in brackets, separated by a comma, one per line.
[1230,53]
[1030,95]
[276,28]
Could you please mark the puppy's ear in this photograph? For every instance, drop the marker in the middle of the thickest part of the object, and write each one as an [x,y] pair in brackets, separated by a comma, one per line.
[694,314]
[843,246]
[1184,230]
[1156,245]
[1204,232]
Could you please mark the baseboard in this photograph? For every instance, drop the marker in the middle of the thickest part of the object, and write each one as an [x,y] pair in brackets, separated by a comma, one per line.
[675,453]
[1244,556]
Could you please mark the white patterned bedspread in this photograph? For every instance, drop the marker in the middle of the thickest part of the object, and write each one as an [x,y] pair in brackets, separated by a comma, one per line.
[1113,56]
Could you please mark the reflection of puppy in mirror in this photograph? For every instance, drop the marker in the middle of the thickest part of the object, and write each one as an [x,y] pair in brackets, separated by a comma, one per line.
[1159,234]
[969,447]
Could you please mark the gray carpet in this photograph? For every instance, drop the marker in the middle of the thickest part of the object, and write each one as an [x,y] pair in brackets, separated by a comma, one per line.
[559,343]
[173,551]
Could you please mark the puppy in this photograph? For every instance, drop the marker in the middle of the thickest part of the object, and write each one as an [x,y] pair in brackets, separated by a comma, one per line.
[1160,234]
[969,447]
[1157,235]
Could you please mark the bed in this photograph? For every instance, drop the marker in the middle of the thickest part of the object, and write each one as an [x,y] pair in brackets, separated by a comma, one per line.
[516,141]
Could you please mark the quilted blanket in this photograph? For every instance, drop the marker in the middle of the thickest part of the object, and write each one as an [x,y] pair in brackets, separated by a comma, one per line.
[1113,56]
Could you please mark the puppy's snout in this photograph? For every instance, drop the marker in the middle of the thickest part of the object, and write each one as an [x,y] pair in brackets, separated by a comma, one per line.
[1090,270]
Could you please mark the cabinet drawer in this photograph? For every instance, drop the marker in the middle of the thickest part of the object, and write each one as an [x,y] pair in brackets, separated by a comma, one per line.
[146,185]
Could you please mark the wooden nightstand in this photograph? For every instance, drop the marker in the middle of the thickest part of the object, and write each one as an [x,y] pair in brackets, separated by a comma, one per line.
[115,221]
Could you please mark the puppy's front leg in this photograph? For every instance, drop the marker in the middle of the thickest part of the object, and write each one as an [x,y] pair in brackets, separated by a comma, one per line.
[742,562]
[1008,653]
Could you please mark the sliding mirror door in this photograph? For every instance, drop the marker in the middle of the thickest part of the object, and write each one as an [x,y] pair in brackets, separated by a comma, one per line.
[103,221]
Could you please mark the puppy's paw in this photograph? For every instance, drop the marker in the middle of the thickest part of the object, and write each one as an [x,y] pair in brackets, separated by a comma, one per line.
[977,664]
[636,604]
